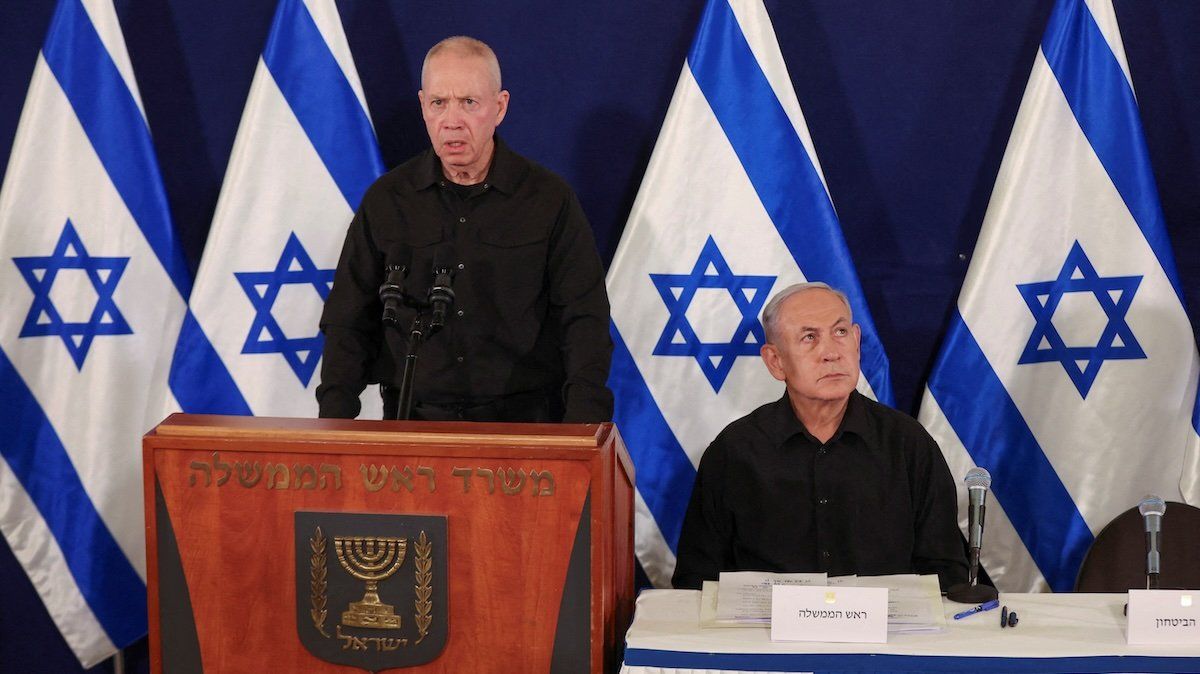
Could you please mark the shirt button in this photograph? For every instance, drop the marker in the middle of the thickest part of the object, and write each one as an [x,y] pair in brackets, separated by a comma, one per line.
[823,501]
[462,219]
[821,452]
[461,266]
[459,359]
[825,554]
[461,312]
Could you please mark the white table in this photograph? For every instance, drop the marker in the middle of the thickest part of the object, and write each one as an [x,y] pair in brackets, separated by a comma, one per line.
[1055,633]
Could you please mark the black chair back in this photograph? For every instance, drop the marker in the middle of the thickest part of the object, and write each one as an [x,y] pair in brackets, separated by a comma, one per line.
[1116,562]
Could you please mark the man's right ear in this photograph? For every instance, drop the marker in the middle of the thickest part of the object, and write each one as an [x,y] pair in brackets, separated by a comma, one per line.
[770,356]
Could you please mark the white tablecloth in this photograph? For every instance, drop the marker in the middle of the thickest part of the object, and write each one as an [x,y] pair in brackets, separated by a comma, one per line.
[1055,633]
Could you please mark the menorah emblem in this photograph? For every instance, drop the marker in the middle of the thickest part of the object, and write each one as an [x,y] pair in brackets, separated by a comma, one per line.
[372,560]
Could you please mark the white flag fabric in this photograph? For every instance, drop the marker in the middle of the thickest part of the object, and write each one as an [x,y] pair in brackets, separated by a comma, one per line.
[1069,368]
[733,207]
[93,297]
[1189,482]
[304,154]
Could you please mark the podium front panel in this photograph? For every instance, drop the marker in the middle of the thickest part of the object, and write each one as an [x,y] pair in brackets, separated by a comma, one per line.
[316,545]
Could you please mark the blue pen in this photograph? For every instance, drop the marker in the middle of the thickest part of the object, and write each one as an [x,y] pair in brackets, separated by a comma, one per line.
[978,609]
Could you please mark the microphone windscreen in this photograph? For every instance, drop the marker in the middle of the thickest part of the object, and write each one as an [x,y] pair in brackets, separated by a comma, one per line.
[1152,505]
[978,477]
[443,256]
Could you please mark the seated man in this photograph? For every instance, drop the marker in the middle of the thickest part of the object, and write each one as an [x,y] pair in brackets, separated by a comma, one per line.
[823,479]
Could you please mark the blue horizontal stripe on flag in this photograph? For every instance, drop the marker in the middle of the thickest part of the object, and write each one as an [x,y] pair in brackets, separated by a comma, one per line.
[115,126]
[1103,102]
[320,96]
[109,584]
[199,379]
[994,432]
[780,169]
[665,475]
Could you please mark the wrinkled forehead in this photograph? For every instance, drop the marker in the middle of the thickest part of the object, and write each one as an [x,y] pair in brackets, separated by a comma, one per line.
[448,70]
[815,308]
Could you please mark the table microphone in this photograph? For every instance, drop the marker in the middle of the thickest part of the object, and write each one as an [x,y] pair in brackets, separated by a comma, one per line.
[1152,509]
[971,592]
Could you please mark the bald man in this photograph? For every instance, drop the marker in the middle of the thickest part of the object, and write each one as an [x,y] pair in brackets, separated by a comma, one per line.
[527,338]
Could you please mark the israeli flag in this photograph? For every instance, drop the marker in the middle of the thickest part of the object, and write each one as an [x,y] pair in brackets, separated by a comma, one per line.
[1069,367]
[304,154]
[93,297]
[1189,483]
[733,207]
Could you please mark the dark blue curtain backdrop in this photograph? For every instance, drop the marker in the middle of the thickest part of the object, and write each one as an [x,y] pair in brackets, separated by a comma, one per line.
[910,105]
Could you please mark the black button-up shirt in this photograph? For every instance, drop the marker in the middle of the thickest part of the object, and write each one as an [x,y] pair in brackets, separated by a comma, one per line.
[876,499]
[531,313]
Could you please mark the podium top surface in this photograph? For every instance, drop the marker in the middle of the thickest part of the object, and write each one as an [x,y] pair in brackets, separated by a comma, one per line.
[581,436]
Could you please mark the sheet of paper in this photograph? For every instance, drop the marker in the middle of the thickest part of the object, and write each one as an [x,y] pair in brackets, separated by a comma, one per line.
[708,609]
[914,602]
[745,596]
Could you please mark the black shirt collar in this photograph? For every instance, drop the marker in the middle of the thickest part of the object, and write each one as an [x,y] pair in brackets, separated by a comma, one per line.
[504,174]
[781,423]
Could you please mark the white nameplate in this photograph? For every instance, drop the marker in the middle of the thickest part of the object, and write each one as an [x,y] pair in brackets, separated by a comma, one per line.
[1164,617]
[851,614]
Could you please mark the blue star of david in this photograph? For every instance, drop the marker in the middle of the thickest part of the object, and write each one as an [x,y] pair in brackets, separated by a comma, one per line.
[1114,294]
[44,319]
[262,287]
[749,294]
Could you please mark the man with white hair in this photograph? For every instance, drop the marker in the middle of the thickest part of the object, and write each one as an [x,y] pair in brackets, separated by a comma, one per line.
[823,479]
[527,339]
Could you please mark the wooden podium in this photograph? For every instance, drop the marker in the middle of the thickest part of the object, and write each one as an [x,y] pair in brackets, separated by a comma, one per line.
[298,545]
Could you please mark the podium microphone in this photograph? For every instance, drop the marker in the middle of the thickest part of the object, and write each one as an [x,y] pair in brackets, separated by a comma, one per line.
[978,481]
[391,293]
[1152,509]
[441,294]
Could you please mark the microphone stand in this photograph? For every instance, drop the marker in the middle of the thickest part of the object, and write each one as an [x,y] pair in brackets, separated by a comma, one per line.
[416,336]
[420,330]
[1152,559]
[438,300]
[971,592]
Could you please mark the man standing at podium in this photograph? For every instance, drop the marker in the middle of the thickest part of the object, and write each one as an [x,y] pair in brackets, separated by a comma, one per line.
[824,479]
[526,337]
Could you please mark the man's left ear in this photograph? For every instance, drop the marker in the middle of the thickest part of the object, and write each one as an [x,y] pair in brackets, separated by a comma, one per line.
[857,334]
[501,106]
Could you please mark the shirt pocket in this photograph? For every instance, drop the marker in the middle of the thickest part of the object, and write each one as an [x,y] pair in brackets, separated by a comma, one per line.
[512,263]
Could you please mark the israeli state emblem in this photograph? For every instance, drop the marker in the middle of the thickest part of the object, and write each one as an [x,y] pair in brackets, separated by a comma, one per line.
[371,589]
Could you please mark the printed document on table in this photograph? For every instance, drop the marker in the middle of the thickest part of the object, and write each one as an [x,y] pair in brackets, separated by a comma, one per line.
[708,609]
[914,602]
[745,596]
